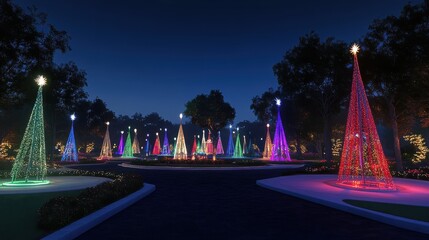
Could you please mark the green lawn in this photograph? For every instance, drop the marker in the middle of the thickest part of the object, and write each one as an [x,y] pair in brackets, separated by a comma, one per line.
[19,214]
[419,213]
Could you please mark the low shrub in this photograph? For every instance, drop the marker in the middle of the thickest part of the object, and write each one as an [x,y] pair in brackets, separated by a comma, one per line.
[61,211]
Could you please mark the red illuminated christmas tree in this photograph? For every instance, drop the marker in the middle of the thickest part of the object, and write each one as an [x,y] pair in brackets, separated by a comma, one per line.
[363,164]
[157,146]
[194,146]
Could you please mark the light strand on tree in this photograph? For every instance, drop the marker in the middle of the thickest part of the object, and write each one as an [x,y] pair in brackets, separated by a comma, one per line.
[280,149]
[70,152]
[30,163]
[106,148]
[363,164]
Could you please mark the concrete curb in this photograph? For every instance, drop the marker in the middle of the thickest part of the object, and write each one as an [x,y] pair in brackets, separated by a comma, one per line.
[82,225]
[268,167]
[418,226]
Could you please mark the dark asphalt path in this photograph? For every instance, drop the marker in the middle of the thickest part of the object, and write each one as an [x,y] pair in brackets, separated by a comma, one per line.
[229,205]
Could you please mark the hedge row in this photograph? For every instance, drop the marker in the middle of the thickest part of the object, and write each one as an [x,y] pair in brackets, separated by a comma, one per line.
[61,211]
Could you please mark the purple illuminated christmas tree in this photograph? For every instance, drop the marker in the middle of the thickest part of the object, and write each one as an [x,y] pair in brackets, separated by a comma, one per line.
[70,151]
[280,151]
[165,145]
[363,164]
[121,144]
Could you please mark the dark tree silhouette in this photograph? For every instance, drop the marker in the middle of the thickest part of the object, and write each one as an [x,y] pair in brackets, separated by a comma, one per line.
[210,111]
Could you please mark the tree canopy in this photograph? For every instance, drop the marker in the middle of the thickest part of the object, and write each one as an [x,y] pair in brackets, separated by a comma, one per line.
[210,111]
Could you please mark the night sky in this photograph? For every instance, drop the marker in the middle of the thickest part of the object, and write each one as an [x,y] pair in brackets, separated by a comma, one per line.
[154,56]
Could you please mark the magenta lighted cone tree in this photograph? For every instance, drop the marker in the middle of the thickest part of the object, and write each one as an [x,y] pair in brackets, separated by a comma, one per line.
[268,144]
[363,164]
[219,146]
[180,151]
[106,148]
[280,150]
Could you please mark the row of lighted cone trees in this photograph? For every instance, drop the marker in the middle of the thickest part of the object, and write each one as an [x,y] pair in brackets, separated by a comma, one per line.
[276,152]
[363,164]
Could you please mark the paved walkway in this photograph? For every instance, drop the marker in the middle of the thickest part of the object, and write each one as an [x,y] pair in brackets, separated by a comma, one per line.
[229,205]
[321,189]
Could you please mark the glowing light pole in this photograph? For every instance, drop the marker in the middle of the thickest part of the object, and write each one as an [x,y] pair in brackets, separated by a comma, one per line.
[147,145]
[363,164]
[29,167]
[70,152]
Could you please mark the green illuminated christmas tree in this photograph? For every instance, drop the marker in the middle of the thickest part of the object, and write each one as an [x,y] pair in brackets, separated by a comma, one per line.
[128,150]
[238,152]
[106,148]
[30,164]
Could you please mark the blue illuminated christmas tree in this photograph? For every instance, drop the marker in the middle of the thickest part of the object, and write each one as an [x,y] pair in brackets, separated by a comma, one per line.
[70,152]
[165,145]
[230,149]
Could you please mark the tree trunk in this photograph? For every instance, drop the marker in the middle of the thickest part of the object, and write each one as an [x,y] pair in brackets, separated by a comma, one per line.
[327,135]
[396,143]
